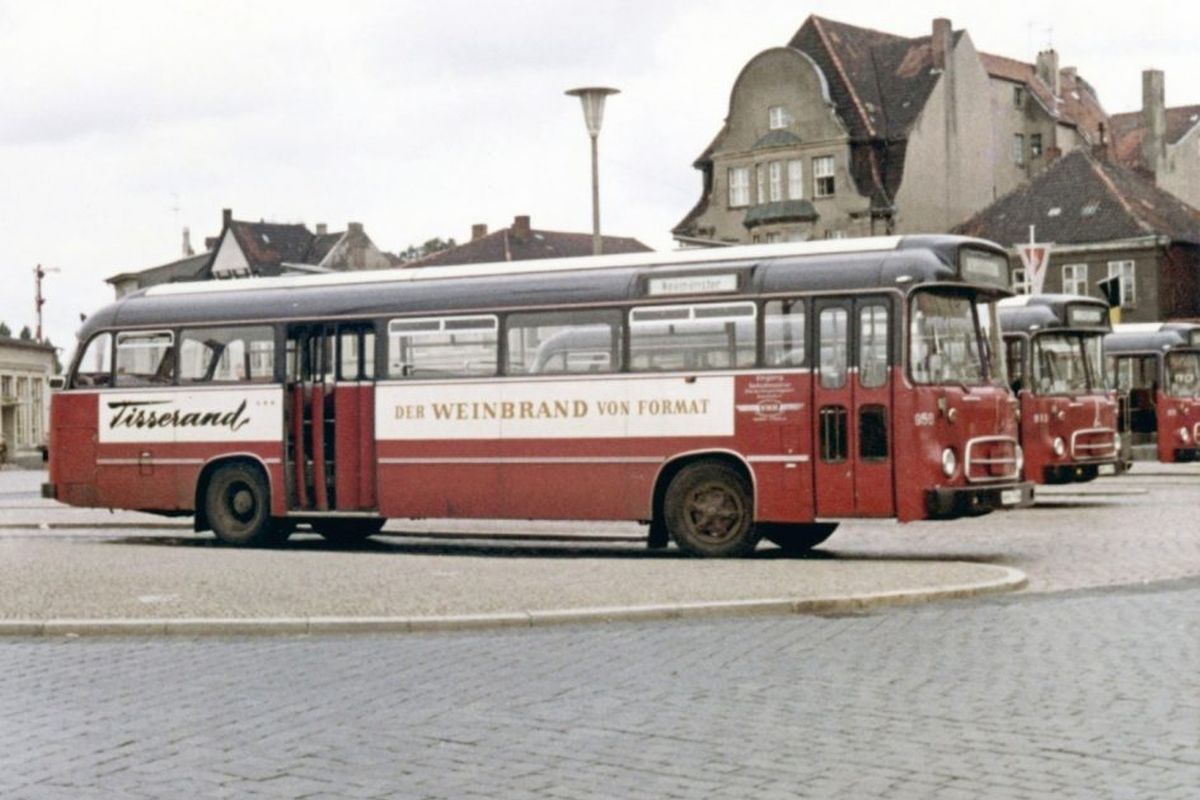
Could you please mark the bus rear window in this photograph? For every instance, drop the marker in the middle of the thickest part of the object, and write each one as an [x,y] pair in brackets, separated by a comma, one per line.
[95,368]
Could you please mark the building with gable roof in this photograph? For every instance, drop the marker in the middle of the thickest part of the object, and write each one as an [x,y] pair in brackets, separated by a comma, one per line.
[522,242]
[1162,142]
[1103,220]
[848,131]
[249,249]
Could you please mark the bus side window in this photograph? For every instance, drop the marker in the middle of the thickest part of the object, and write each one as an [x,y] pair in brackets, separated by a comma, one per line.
[873,346]
[145,358]
[1014,354]
[227,355]
[430,347]
[95,368]
[784,333]
[834,348]
[692,337]
[563,342]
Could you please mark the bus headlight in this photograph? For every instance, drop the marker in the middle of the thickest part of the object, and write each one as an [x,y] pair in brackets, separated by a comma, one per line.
[1060,447]
[1184,435]
[1020,461]
[1117,442]
[949,463]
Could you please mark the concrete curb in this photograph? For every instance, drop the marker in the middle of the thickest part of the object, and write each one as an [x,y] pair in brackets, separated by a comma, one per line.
[1009,580]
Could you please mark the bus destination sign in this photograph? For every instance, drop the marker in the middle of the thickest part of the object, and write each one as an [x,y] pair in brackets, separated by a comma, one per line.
[692,284]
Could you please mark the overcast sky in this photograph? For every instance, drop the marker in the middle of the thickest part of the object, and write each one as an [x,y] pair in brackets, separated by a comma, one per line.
[123,122]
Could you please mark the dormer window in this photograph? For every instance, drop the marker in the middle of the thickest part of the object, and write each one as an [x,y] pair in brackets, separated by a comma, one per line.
[777,118]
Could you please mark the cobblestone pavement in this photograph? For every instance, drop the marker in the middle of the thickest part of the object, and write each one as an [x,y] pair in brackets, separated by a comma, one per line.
[1067,695]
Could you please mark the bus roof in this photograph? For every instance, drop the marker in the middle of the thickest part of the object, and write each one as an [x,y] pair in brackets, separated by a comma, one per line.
[840,264]
[1037,312]
[1153,336]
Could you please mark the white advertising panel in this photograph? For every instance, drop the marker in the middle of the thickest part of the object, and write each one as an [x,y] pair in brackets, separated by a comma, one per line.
[568,409]
[245,413]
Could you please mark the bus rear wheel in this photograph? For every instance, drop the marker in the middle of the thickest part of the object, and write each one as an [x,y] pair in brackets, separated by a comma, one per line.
[238,505]
[347,531]
[797,539]
[709,511]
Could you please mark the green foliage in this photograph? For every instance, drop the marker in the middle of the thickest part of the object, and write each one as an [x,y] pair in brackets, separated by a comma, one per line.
[435,245]
[5,330]
[26,335]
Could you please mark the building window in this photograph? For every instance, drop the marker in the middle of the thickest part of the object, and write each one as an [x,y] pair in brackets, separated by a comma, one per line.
[796,179]
[1128,274]
[1075,278]
[1035,145]
[775,237]
[777,118]
[776,181]
[1018,97]
[739,187]
[1020,281]
[760,175]
[1018,149]
[823,185]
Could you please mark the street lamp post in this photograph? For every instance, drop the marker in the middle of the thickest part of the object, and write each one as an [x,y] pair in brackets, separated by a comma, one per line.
[592,98]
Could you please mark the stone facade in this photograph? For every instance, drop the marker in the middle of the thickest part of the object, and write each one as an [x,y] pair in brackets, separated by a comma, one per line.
[918,135]
[1162,142]
[25,368]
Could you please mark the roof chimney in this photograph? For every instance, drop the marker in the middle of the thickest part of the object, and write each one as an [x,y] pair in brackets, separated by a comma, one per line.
[520,228]
[187,243]
[322,229]
[226,217]
[941,43]
[354,228]
[1154,119]
[210,242]
[1047,69]
[478,230]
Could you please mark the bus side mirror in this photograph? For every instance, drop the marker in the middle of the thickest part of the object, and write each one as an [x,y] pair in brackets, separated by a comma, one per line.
[57,382]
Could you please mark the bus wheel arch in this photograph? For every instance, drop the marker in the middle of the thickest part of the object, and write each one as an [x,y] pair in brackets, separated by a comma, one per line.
[690,486]
[233,500]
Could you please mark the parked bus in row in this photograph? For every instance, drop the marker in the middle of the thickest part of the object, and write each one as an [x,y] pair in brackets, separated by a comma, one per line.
[1155,368]
[1054,347]
[720,396]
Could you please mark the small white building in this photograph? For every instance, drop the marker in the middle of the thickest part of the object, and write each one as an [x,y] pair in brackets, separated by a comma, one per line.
[25,370]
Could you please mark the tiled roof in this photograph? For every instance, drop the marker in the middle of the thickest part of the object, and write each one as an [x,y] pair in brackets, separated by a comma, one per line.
[1077,104]
[1129,130]
[1082,200]
[503,245]
[190,268]
[322,243]
[267,245]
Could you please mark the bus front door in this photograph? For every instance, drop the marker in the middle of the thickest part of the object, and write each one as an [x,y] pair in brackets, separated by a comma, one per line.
[852,399]
[330,418]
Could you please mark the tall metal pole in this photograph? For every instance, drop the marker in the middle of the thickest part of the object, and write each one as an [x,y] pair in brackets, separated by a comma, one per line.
[596,245]
[592,98]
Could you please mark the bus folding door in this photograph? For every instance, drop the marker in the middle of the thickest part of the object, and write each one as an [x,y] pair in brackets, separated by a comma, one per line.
[852,402]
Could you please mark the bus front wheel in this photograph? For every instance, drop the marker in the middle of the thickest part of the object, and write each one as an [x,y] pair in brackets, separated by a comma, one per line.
[709,511]
[237,503]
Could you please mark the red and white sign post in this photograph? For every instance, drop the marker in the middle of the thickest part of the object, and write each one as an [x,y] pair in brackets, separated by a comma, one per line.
[1035,256]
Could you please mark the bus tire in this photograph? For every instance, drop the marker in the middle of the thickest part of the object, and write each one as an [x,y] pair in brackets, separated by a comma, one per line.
[709,511]
[347,531]
[798,539]
[237,502]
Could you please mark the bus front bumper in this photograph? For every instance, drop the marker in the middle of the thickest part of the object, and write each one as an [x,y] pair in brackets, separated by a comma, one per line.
[967,501]
[1081,473]
[1187,454]
[48,491]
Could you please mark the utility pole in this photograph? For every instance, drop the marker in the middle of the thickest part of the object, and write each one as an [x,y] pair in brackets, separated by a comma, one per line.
[38,300]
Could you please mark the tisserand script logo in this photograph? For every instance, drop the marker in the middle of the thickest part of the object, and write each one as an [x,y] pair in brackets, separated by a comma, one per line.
[148,415]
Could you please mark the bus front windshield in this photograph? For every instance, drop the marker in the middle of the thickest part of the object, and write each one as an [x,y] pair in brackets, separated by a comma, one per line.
[1183,374]
[945,343]
[1059,364]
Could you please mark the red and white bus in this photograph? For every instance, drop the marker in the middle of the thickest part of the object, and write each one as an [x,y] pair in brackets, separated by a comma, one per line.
[720,396]
[1054,345]
[1155,368]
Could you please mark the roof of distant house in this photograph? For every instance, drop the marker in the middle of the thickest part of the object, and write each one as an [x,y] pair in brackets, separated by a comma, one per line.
[1129,131]
[189,268]
[1080,199]
[1076,105]
[25,344]
[521,242]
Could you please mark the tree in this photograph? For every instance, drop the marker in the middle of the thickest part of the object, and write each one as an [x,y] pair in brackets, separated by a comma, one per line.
[5,330]
[26,335]
[435,245]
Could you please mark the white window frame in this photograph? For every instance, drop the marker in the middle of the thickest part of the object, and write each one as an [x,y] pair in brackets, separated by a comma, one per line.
[775,168]
[1128,271]
[1075,279]
[739,187]
[824,168]
[777,118]
[1021,282]
[760,175]
[795,171]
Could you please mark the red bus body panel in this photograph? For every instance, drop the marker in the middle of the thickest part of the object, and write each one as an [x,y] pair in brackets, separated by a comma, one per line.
[1086,424]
